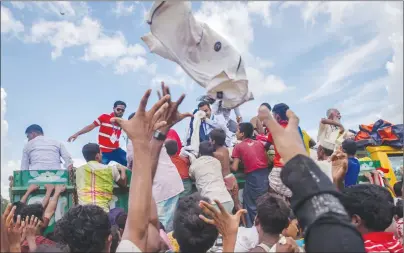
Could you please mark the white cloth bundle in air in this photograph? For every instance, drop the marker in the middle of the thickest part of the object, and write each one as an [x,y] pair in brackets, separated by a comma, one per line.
[201,52]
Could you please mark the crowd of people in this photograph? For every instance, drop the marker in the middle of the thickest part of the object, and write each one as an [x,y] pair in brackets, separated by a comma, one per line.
[185,197]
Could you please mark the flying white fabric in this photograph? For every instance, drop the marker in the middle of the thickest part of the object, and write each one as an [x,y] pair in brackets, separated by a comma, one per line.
[202,53]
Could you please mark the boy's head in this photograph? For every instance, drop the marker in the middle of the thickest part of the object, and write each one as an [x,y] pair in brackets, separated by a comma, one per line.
[398,189]
[349,147]
[371,207]
[245,130]
[206,148]
[279,112]
[171,147]
[192,233]
[92,152]
[272,214]
[36,210]
[293,230]
[85,228]
[217,137]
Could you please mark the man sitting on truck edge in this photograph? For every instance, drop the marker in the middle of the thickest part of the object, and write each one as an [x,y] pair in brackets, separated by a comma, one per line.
[95,181]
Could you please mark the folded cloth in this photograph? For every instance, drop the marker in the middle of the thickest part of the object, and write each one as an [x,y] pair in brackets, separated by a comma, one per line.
[201,52]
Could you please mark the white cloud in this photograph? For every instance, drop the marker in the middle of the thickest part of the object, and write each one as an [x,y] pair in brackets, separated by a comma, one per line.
[127,64]
[98,46]
[261,85]
[235,25]
[4,124]
[346,65]
[70,9]
[121,9]
[261,8]
[8,23]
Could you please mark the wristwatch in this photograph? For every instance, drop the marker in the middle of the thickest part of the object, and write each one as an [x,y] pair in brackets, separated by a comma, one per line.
[159,135]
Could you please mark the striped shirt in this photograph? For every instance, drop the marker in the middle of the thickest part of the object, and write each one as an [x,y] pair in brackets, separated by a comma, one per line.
[382,242]
[108,136]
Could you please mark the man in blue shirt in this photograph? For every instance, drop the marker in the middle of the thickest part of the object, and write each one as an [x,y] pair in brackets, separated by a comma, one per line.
[351,176]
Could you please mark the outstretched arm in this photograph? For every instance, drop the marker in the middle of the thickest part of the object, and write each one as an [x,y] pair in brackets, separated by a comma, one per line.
[31,189]
[86,129]
[51,208]
[49,189]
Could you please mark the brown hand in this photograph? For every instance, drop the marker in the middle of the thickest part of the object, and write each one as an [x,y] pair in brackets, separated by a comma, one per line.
[287,140]
[140,128]
[226,223]
[172,115]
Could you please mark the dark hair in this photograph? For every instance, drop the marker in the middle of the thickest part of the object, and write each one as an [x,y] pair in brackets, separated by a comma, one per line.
[247,129]
[90,150]
[399,208]
[18,208]
[171,147]
[50,248]
[272,213]
[131,115]
[84,228]
[349,146]
[206,148]
[35,209]
[280,110]
[327,152]
[192,233]
[34,129]
[398,188]
[372,203]
[219,136]
[202,104]
[119,102]
[115,238]
[266,105]
[121,220]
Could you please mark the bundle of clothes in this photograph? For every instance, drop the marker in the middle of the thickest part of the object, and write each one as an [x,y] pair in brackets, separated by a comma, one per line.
[380,133]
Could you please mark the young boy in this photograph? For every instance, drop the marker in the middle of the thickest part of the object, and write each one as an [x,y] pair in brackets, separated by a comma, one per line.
[252,154]
[218,137]
[351,176]
[182,165]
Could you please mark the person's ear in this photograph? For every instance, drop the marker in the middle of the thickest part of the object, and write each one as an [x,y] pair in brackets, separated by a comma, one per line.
[356,220]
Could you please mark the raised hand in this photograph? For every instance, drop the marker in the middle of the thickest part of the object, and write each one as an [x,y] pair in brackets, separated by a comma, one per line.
[226,223]
[172,115]
[144,123]
[287,140]
[14,231]
[32,226]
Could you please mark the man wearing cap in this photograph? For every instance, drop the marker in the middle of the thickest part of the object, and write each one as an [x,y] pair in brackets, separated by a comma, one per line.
[324,151]
[275,182]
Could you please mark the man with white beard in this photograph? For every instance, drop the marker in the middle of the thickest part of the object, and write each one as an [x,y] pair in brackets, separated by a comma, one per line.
[331,129]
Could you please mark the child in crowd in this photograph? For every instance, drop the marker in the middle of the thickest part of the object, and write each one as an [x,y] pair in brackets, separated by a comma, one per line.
[372,209]
[207,172]
[218,137]
[255,160]
[182,165]
[351,176]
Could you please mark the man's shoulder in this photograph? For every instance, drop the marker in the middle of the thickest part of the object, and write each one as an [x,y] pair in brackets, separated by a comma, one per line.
[105,116]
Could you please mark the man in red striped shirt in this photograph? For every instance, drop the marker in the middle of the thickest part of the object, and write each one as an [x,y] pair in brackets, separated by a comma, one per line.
[108,135]
[371,208]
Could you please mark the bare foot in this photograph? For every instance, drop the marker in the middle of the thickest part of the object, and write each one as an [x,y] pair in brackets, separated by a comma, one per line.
[60,188]
[49,188]
[33,187]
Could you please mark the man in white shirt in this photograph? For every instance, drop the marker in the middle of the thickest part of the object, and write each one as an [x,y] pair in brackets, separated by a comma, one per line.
[42,153]
[209,123]
[331,129]
[324,151]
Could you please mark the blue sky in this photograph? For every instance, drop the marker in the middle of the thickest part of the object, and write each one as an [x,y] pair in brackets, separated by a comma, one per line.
[63,71]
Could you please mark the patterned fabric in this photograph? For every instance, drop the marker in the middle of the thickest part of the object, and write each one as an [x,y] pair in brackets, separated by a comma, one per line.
[382,242]
[165,211]
[106,133]
[95,183]
[275,182]
[38,240]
